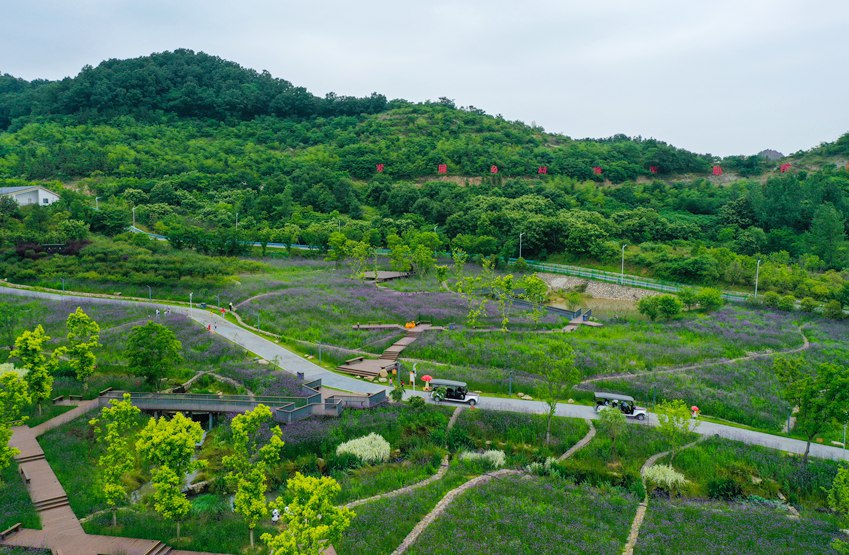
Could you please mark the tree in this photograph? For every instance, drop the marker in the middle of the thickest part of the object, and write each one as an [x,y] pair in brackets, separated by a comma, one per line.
[821,396]
[6,453]
[171,443]
[113,431]
[675,423]
[559,375]
[614,423]
[83,337]
[153,351]
[838,500]
[648,306]
[710,299]
[827,234]
[29,348]
[689,297]
[669,306]
[250,463]
[311,518]
[14,397]
[536,293]
[501,287]
[168,498]
[337,243]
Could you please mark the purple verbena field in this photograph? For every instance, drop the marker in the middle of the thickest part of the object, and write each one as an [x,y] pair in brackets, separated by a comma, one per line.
[747,392]
[324,305]
[680,527]
[525,514]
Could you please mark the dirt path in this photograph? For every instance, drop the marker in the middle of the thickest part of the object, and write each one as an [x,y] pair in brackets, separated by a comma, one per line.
[637,523]
[443,468]
[474,482]
[806,344]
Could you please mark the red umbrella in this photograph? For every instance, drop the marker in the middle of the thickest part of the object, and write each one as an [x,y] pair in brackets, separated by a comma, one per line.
[427,378]
[694,408]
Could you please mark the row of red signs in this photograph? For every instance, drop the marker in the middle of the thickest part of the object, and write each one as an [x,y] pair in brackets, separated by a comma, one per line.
[543,170]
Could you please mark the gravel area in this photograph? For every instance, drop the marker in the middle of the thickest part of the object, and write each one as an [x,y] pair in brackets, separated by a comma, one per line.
[597,289]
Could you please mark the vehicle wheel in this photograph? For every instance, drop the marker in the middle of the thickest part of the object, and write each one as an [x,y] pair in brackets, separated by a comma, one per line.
[641,417]
[472,402]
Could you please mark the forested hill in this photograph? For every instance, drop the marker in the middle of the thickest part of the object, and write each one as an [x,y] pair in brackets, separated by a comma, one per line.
[183,83]
[213,154]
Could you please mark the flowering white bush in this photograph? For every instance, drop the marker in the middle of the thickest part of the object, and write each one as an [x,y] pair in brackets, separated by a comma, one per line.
[492,458]
[664,477]
[542,469]
[369,449]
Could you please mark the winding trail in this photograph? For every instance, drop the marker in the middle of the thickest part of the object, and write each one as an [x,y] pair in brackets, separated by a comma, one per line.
[637,523]
[474,482]
[443,468]
[806,344]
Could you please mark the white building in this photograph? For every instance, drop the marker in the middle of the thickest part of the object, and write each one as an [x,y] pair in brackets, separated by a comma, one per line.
[26,196]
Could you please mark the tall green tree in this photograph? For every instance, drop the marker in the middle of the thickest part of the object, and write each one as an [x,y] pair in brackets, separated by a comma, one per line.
[170,442]
[675,423]
[14,397]
[820,395]
[168,498]
[312,520]
[83,338]
[559,376]
[153,351]
[29,348]
[827,234]
[114,431]
[252,459]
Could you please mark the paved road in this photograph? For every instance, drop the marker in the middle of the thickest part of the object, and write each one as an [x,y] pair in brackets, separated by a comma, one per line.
[268,350]
[294,363]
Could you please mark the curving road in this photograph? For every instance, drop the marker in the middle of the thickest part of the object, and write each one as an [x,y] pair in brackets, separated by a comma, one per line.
[293,363]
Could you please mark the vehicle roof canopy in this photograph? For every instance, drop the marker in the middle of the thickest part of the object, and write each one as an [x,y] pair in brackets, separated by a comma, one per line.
[447,383]
[613,396]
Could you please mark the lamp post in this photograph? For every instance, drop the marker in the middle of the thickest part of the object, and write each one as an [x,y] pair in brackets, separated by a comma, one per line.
[237,220]
[149,293]
[134,216]
[63,283]
[190,301]
[319,352]
[757,275]
[218,301]
[622,268]
[96,203]
[520,244]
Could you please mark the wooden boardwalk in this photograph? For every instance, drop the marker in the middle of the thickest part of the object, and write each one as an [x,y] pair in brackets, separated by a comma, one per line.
[61,531]
[371,369]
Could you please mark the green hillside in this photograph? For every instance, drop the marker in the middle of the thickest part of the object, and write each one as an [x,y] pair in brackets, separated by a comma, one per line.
[213,154]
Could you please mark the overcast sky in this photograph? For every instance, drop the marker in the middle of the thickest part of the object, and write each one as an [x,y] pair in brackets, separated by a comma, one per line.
[720,76]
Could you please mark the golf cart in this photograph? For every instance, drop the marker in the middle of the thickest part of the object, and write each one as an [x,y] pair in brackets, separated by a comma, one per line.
[624,403]
[449,390]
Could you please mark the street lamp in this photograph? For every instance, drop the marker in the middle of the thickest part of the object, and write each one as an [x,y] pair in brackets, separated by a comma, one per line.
[190,301]
[149,293]
[520,244]
[319,352]
[96,204]
[63,283]
[757,275]
[622,269]
[237,220]
[134,216]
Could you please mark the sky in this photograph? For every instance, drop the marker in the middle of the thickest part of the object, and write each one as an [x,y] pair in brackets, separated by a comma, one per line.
[721,77]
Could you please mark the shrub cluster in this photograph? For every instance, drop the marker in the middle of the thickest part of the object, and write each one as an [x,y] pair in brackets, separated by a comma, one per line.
[491,459]
[369,449]
[664,477]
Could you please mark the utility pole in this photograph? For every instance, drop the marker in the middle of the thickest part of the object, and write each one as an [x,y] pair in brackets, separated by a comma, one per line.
[622,269]
[757,275]
[520,244]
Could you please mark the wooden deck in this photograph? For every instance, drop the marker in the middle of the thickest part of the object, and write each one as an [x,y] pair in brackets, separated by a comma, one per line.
[370,368]
[61,531]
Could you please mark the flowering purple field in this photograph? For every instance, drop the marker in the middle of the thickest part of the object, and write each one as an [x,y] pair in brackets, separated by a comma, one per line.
[747,392]
[531,515]
[323,306]
[679,527]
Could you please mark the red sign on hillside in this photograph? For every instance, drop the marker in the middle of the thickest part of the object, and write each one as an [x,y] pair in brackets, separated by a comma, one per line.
[493,169]
[784,167]
[442,168]
[717,170]
[542,170]
[653,169]
[597,170]
[380,168]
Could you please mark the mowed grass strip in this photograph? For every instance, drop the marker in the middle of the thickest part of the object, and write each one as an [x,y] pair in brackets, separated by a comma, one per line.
[530,514]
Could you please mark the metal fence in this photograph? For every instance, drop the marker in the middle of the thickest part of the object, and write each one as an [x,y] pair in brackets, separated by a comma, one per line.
[619,279]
